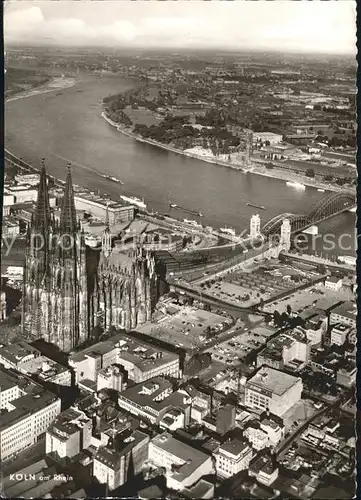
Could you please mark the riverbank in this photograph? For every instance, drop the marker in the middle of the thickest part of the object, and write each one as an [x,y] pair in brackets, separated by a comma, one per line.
[129,133]
[52,85]
[254,168]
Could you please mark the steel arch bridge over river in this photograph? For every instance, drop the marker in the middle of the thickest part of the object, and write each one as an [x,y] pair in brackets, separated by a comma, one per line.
[328,207]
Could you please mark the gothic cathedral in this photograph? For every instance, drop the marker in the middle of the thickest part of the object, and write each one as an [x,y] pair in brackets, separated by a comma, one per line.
[58,303]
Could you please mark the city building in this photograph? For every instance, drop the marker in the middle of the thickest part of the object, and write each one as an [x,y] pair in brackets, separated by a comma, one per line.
[184,465]
[226,417]
[111,377]
[265,138]
[274,429]
[346,376]
[172,420]
[161,239]
[202,489]
[10,228]
[264,469]
[255,226]
[22,193]
[69,434]
[287,349]
[256,436]
[273,390]
[345,313]
[27,411]
[232,457]
[266,433]
[141,360]
[333,283]
[339,334]
[8,201]
[28,360]
[153,399]
[30,179]
[200,407]
[123,459]
[117,212]
[315,329]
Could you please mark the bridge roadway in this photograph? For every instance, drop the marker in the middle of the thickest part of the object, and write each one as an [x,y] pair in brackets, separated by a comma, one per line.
[328,207]
[311,259]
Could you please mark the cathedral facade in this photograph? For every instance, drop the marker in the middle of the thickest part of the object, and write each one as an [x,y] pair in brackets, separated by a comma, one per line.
[62,300]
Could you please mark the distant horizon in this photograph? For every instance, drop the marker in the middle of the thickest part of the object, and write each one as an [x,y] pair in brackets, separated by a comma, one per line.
[180,49]
[325,28]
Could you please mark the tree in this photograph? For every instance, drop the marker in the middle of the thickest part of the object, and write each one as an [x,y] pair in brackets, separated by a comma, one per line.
[289,309]
[310,172]
[284,318]
[276,318]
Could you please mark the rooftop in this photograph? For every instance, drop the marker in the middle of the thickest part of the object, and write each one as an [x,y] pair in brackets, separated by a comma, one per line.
[146,395]
[347,309]
[124,443]
[6,380]
[20,352]
[67,423]
[262,462]
[272,380]
[334,279]
[199,490]
[189,457]
[143,355]
[234,447]
[96,199]
[275,347]
[27,405]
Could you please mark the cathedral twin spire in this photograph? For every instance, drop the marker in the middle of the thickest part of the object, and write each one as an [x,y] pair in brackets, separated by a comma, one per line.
[107,236]
[42,218]
[68,223]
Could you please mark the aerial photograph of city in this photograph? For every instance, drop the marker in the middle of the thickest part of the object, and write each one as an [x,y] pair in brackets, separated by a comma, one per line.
[178,250]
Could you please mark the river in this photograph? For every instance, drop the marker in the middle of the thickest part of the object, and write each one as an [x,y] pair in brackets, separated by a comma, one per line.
[65,125]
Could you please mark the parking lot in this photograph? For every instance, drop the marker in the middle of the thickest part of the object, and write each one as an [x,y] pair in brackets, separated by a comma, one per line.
[267,281]
[235,350]
[314,296]
[189,328]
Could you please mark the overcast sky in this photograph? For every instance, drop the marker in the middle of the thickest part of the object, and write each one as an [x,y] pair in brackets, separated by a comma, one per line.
[308,26]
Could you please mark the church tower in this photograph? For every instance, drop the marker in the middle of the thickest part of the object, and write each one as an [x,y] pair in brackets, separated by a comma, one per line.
[107,237]
[55,300]
[36,268]
[69,296]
